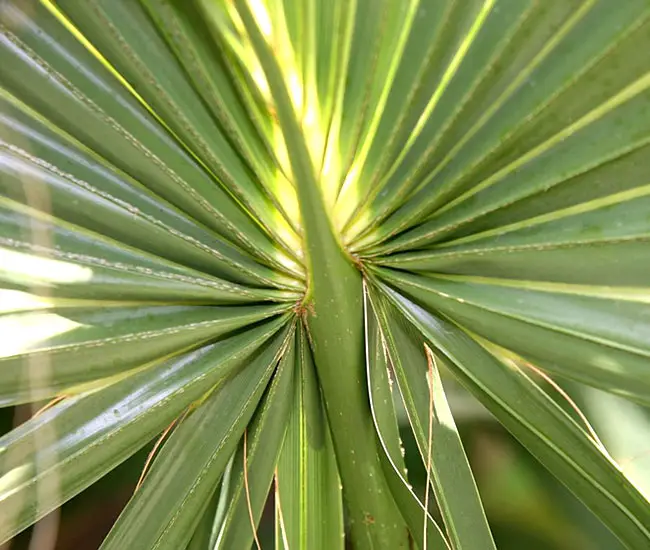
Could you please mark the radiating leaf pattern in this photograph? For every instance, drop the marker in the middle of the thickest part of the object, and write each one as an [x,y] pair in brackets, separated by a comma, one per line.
[254,215]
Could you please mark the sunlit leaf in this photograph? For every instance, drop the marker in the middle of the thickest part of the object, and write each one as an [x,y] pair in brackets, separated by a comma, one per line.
[405,185]
[57,454]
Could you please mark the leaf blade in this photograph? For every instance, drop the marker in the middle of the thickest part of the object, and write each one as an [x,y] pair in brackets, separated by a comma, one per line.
[164,512]
[543,427]
[115,414]
[309,509]
[431,420]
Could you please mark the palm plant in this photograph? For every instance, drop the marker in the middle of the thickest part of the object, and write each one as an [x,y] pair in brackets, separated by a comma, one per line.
[254,225]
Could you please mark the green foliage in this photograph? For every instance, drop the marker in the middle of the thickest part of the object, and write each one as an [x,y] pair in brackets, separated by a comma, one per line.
[268,228]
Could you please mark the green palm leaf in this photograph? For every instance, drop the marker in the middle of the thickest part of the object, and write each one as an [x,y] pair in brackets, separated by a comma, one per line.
[308,496]
[245,219]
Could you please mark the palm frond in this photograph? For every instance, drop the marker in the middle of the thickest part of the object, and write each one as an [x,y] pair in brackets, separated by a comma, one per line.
[272,224]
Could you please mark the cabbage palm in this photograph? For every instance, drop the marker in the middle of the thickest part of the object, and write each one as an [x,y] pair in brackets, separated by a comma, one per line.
[254,225]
